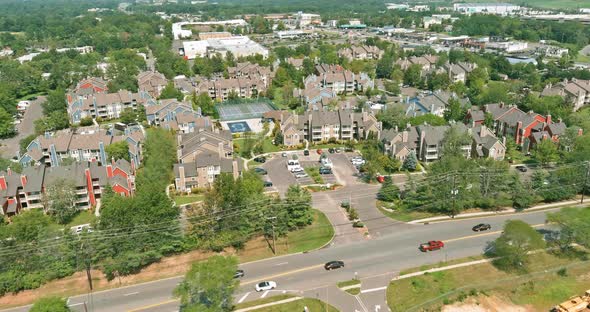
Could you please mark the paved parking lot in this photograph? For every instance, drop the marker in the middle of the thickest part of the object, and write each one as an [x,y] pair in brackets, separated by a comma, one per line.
[9,147]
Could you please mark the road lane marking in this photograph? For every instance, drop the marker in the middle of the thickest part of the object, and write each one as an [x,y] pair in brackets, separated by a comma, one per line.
[131,294]
[282,274]
[483,234]
[153,305]
[264,294]
[373,289]
[244,297]
[361,303]
[282,263]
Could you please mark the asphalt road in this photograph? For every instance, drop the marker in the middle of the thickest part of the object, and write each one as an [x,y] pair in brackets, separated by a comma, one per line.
[10,147]
[374,261]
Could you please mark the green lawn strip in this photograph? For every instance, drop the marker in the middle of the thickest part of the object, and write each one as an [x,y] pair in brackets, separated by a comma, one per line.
[268,147]
[82,217]
[401,214]
[542,287]
[314,173]
[441,264]
[354,291]
[261,301]
[187,199]
[313,305]
[349,283]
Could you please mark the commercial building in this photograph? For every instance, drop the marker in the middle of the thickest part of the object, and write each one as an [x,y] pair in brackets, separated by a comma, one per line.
[178,32]
[487,8]
[239,46]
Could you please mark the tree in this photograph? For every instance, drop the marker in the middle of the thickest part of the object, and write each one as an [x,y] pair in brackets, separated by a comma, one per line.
[59,200]
[29,225]
[393,116]
[574,227]
[389,192]
[128,116]
[413,75]
[209,285]
[455,111]
[411,162]
[50,304]
[24,143]
[581,149]
[170,92]
[298,207]
[515,243]
[454,141]
[86,121]
[439,82]
[6,124]
[522,195]
[430,119]
[546,152]
[233,95]
[56,101]
[205,103]
[118,150]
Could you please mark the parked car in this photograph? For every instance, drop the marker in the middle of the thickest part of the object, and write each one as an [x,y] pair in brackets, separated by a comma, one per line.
[380,178]
[481,227]
[297,169]
[331,150]
[266,286]
[267,183]
[306,152]
[431,245]
[300,174]
[320,151]
[292,164]
[260,159]
[239,273]
[521,168]
[284,154]
[358,161]
[260,170]
[325,170]
[326,162]
[338,150]
[334,265]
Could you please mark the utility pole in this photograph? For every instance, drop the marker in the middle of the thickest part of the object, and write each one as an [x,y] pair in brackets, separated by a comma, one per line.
[585,181]
[454,192]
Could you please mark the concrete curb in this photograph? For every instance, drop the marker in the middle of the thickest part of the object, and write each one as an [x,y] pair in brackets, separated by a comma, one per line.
[503,212]
[269,304]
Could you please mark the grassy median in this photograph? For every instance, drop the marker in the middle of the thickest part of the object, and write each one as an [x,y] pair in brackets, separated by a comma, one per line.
[313,305]
[545,285]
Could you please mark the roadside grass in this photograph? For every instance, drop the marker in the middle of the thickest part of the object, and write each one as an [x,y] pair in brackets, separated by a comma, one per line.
[298,305]
[187,199]
[541,288]
[349,283]
[82,217]
[440,264]
[252,303]
[314,236]
[583,58]
[354,291]
[401,214]
[314,173]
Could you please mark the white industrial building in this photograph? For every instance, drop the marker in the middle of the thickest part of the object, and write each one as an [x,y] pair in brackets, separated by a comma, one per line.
[180,33]
[239,46]
[487,8]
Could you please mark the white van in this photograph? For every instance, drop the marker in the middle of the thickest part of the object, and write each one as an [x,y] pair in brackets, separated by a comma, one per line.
[293,164]
[326,162]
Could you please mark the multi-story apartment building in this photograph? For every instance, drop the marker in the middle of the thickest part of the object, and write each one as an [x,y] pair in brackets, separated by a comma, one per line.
[26,190]
[178,116]
[103,105]
[252,71]
[82,144]
[575,91]
[221,89]
[151,82]
[321,126]
[363,52]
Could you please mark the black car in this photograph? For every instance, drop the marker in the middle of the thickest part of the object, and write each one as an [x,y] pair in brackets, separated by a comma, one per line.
[239,273]
[334,265]
[260,159]
[267,184]
[331,150]
[481,227]
[325,170]
[260,170]
[306,153]
[521,168]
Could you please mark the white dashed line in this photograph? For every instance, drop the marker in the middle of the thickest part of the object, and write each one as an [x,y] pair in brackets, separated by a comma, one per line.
[244,297]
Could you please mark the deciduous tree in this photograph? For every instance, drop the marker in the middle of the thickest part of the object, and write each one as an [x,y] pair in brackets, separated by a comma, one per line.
[514,245]
[59,200]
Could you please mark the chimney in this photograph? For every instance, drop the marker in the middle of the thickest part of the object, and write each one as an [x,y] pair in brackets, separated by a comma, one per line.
[179,139]
[504,141]
[113,161]
[548,120]
[109,171]
[181,177]
[9,171]
[235,168]
[404,136]
[3,185]
[220,149]
[23,180]
[395,128]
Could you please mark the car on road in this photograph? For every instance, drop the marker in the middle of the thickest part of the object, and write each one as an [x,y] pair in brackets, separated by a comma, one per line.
[260,159]
[239,273]
[320,151]
[431,245]
[260,170]
[268,285]
[481,227]
[337,264]
[306,153]
[521,168]
[300,174]
[325,170]
[267,184]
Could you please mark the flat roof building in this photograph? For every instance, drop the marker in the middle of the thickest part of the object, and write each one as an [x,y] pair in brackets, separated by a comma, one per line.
[239,46]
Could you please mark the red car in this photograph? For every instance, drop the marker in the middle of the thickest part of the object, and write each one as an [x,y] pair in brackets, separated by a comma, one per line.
[320,151]
[380,179]
[431,245]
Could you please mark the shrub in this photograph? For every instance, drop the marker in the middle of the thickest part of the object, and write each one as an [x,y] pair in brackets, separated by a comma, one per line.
[358,224]
[562,272]
[352,214]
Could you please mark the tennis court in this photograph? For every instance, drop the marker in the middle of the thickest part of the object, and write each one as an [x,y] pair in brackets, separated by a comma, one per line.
[239,111]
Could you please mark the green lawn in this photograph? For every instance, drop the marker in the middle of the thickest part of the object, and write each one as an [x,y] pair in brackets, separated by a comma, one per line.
[440,264]
[313,305]
[583,58]
[542,288]
[401,214]
[187,199]
[348,283]
[267,146]
[83,217]
[261,301]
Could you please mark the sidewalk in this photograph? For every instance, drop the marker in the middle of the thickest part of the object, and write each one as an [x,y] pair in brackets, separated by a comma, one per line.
[269,304]
[454,266]
[486,213]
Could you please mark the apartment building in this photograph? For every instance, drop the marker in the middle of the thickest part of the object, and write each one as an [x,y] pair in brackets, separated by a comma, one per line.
[435,103]
[221,89]
[252,71]
[363,52]
[103,105]
[322,126]
[459,72]
[575,91]
[26,190]
[427,62]
[151,82]
[174,115]
[82,144]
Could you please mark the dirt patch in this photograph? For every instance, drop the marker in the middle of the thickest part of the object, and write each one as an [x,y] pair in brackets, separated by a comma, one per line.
[486,304]
[78,284]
